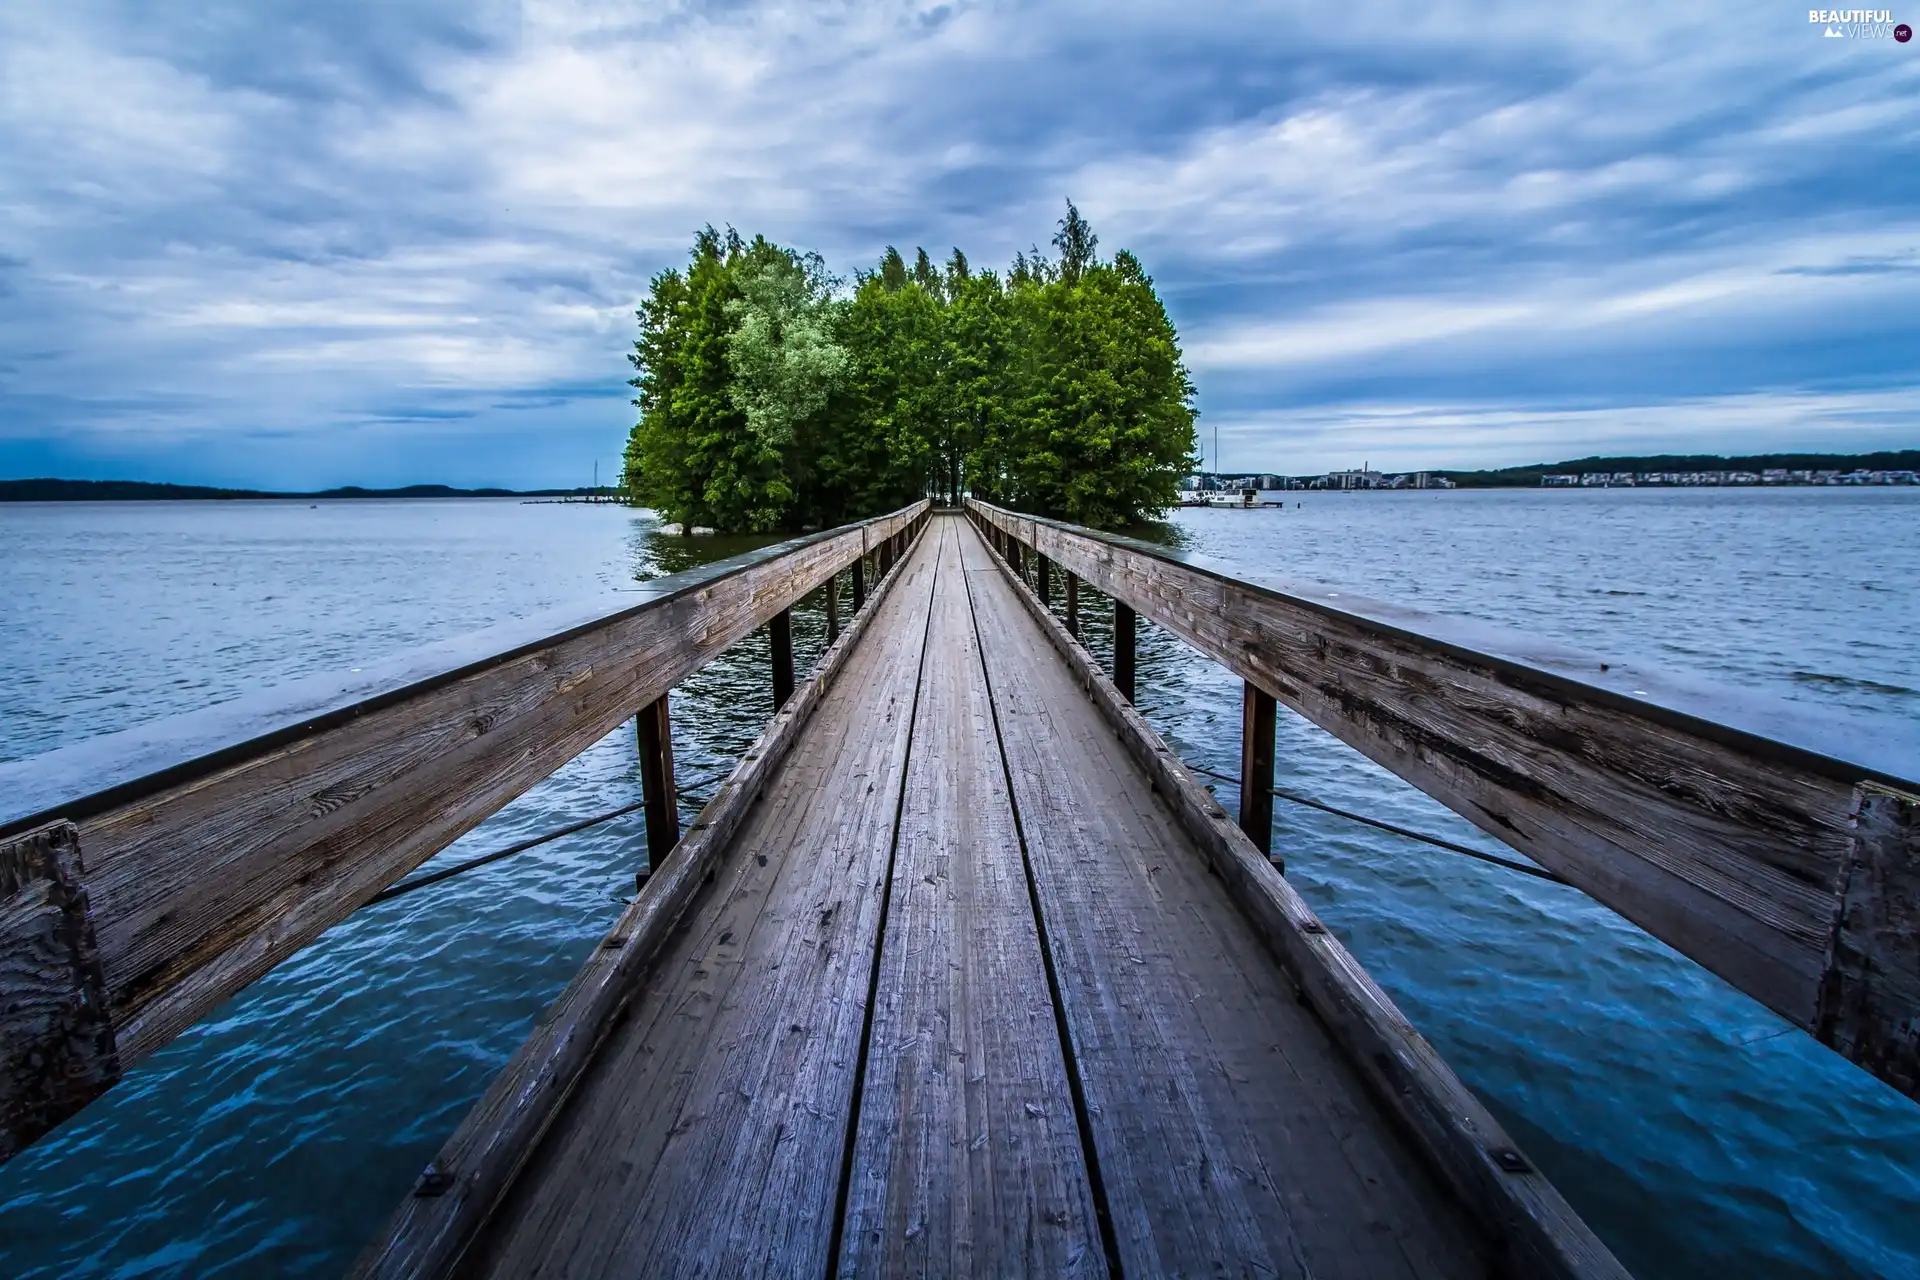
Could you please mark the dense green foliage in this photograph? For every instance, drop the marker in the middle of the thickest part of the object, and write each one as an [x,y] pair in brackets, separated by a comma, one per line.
[771,398]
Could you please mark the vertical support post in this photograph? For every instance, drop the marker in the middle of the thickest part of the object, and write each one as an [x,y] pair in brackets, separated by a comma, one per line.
[1014,558]
[885,559]
[654,731]
[1870,990]
[1073,606]
[1256,766]
[1044,580]
[833,608]
[780,630]
[1123,628]
[859,583]
[58,1046]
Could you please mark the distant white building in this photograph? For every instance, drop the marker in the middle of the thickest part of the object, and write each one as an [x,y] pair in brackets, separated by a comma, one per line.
[1364,478]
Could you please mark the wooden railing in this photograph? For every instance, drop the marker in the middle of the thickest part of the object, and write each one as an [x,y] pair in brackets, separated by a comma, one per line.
[148,875]
[1792,874]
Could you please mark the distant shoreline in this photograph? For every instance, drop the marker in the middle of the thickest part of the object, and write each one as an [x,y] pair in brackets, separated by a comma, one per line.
[1661,470]
[48,490]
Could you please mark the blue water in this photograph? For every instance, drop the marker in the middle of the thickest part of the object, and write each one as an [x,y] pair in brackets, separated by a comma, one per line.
[1691,1128]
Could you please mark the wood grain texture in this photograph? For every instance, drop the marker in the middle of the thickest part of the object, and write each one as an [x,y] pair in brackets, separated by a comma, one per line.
[617,990]
[707,1136]
[967,1157]
[1729,847]
[1256,766]
[653,733]
[57,1050]
[213,876]
[1231,1133]
[1531,1229]
[1870,995]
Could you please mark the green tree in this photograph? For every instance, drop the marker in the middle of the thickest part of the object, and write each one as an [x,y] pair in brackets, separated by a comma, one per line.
[976,383]
[925,276]
[785,363]
[770,401]
[1076,242]
[883,430]
[685,455]
[1100,425]
[893,270]
[957,273]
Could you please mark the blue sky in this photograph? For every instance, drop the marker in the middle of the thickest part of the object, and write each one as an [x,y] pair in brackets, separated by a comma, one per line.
[293,244]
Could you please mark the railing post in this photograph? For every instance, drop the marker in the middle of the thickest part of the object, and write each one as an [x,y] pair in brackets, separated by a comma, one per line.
[1123,628]
[780,630]
[654,731]
[859,582]
[1044,581]
[1073,606]
[1256,766]
[833,608]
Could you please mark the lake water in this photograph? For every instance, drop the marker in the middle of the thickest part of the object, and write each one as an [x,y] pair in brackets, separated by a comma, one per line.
[1692,1129]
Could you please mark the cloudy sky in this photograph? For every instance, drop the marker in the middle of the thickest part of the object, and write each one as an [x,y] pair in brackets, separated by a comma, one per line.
[293,244]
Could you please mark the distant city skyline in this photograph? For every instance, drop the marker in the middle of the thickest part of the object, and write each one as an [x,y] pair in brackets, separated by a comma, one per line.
[391,243]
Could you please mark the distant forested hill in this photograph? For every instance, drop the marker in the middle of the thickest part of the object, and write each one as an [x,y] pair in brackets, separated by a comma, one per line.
[1517,477]
[141,491]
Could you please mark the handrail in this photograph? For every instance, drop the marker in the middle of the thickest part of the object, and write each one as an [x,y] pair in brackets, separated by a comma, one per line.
[148,875]
[1791,873]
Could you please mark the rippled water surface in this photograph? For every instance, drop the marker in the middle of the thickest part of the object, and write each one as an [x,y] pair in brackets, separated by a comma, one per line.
[1691,1130]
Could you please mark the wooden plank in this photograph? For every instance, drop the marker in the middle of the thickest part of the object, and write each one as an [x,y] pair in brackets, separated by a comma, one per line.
[967,1156]
[618,990]
[1256,766]
[1123,647]
[1531,1228]
[1227,1125]
[653,730]
[1870,995]
[780,635]
[1726,845]
[60,1051]
[208,873]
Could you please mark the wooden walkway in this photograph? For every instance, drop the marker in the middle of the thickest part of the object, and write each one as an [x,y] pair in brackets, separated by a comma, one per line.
[964,998]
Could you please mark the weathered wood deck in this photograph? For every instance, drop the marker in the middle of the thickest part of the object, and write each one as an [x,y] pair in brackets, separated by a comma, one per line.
[963,997]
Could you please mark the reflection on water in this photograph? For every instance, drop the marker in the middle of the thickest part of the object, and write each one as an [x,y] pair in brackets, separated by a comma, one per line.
[275,1137]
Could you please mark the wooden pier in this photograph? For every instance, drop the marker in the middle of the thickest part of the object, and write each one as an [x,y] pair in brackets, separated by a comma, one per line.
[961,971]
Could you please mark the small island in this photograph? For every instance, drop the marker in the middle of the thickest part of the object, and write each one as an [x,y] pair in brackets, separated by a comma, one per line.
[774,397]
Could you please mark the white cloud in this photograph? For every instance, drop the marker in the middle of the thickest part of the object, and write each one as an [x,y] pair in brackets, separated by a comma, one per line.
[302,227]
[1742,291]
[1407,436]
